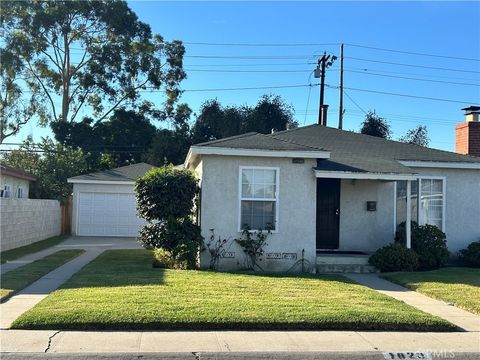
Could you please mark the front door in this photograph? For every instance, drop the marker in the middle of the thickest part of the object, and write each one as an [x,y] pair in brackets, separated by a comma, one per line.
[328,213]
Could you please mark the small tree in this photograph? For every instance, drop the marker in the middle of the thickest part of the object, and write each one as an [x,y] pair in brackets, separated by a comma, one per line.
[166,198]
[375,125]
[417,136]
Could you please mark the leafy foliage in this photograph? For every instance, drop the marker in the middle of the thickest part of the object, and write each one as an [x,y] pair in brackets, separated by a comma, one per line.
[52,168]
[88,53]
[181,238]
[471,255]
[165,198]
[394,257]
[375,125]
[417,136]
[215,121]
[252,244]
[429,242]
[166,193]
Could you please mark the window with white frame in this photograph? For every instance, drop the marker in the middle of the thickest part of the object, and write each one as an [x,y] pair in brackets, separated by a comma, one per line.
[258,198]
[428,201]
[20,192]
[6,191]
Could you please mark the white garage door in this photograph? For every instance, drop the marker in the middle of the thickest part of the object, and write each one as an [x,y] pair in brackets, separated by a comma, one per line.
[107,214]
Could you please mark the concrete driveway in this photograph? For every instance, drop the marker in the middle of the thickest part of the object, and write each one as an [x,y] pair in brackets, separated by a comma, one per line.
[86,242]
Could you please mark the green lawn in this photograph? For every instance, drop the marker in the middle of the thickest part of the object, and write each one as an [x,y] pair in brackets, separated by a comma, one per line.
[17,253]
[121,290]
[456,285]
[20,278]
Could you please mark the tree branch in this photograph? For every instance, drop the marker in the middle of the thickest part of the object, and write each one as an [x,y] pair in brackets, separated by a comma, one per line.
[43,87]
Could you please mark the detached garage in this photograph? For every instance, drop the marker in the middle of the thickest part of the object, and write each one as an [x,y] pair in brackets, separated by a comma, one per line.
[104,202]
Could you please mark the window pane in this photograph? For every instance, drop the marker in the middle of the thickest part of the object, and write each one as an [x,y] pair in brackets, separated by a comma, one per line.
[246,191]
[247,176]
[402,201]
[258,183]
[258,215]
[431,202]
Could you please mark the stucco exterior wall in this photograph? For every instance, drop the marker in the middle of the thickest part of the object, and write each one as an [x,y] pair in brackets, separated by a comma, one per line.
[112,188]
[462,205]
[362,230]
[296,201]
[14,184]
[25,221]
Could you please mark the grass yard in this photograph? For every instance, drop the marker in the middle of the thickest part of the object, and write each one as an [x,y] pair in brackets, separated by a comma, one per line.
[20,278]
[455,285]
[121,290]
[17,253]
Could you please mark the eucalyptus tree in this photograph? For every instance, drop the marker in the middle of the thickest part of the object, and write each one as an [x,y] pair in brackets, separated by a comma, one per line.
[91,56]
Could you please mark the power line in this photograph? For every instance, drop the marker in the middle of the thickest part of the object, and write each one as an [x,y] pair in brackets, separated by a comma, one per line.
[247,71]
[413,65]
[413,52]
[412,78]
[251,57]
[354,102]
[259,44]
[404,95]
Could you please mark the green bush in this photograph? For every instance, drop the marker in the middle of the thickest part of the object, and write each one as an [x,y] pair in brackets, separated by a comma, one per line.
[166,193]
[181,238]
[471,255]
[430,244]
[164,259]
[166,198]
[394,257]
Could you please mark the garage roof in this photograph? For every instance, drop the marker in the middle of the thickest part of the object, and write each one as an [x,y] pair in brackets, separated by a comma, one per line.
[126,174]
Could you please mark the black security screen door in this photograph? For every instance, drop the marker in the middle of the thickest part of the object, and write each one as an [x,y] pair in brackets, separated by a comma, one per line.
[328,213]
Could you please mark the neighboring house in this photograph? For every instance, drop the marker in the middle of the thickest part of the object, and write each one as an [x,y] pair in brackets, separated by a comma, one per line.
[104,202]
[14,183]
[324,191]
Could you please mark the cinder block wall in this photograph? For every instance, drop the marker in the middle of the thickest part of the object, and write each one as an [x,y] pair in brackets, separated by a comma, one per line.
[25,221]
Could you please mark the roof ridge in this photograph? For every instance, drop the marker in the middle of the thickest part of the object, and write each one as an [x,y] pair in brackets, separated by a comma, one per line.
[227,138]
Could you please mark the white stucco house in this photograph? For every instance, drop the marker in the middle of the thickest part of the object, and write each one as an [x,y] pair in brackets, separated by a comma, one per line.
[104,202]
[326,191]
[14,183]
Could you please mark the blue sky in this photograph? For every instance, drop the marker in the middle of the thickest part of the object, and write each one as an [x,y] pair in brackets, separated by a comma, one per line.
[442,28]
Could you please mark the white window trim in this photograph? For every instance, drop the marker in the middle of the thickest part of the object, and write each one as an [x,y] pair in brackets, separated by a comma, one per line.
[9,191]
[20,189]
[277,195]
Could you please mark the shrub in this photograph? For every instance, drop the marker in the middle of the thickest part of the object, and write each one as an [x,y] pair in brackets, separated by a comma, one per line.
[430,244]
[394,257]
[252,243]
[164,259]
[181,238]
[166,198]
[471,255]
[166,193]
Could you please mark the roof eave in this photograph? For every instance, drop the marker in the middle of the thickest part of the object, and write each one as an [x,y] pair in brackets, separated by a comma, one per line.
[441,164]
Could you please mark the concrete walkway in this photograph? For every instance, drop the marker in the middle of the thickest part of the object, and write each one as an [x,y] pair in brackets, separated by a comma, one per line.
[236,341]
[27,298]
[463,319]
[14,264]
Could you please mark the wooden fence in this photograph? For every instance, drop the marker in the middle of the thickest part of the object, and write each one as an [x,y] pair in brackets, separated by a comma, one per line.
[66,223]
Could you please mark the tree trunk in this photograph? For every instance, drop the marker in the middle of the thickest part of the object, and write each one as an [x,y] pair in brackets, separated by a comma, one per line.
[66,79]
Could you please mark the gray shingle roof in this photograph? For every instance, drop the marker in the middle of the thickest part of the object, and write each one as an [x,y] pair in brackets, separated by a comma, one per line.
[258,141]
[349,151]
[125,173]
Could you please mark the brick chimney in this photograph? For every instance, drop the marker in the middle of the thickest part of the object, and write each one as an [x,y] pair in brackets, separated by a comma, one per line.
[467,134]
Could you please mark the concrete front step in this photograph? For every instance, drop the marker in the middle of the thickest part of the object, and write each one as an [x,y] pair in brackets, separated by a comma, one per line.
[342,259]
[345,268]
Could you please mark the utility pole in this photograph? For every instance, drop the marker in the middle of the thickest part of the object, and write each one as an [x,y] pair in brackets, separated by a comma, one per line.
[340,110]
[323,63]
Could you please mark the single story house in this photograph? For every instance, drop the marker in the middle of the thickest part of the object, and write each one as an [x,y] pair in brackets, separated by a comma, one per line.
[14,183]
[324,190]
[104,202]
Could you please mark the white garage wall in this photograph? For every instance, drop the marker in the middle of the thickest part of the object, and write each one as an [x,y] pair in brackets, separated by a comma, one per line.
[94,188]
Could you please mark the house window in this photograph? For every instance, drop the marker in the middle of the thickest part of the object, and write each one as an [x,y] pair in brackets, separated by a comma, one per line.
[258,198]
[428,201]
[6,191]
[20,193]
[430,209]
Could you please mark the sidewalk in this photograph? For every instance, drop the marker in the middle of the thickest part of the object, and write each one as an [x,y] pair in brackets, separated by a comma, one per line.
[463,319]
[14,264]
[235,341]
